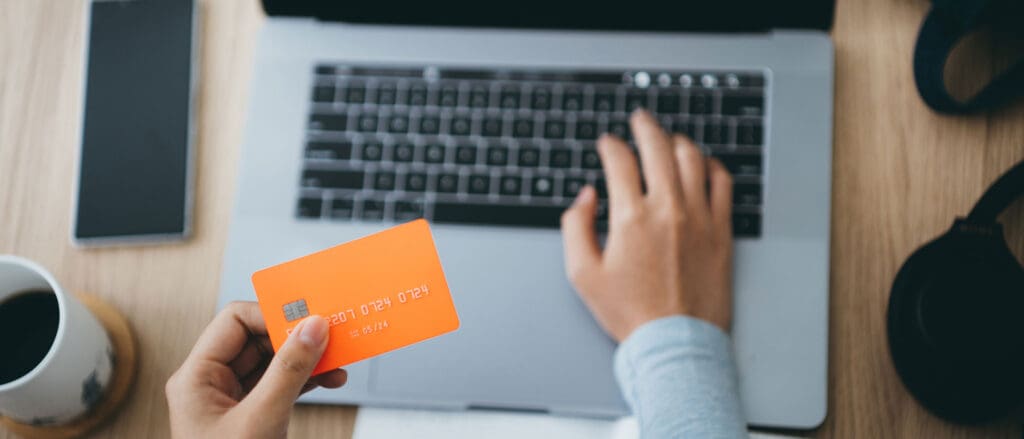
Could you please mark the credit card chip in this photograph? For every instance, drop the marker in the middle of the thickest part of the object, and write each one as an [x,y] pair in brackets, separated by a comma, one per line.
[295,310]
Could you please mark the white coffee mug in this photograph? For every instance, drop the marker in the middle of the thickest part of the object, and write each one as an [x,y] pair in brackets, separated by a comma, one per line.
[75,372]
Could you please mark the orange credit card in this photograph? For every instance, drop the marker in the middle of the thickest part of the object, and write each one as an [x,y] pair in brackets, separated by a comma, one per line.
[378,293]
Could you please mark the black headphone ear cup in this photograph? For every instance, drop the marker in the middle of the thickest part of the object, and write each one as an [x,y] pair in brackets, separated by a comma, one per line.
[955,325]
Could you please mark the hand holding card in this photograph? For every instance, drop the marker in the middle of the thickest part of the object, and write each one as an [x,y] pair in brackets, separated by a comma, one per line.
[378,293]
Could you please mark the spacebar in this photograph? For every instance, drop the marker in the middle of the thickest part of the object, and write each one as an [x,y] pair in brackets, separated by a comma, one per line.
[496,214]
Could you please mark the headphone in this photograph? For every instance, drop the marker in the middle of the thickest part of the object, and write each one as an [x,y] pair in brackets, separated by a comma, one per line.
[947,23]
[956,315]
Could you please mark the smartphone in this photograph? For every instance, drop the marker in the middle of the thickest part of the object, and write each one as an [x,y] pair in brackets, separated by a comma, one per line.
[136,154]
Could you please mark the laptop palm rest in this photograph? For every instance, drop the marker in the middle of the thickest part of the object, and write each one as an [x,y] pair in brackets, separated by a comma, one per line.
[516,338]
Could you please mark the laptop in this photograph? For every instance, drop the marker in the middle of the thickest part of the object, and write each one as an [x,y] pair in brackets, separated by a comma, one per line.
[482,118]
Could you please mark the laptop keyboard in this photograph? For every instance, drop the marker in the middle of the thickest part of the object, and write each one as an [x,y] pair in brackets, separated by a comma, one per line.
[508,147]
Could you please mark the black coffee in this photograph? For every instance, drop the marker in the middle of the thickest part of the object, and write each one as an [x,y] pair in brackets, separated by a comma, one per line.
[28,324]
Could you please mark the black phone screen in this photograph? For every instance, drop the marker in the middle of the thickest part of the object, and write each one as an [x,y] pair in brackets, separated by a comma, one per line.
[134,166]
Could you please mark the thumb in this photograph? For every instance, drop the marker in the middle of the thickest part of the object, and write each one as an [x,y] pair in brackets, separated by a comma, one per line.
[291,367]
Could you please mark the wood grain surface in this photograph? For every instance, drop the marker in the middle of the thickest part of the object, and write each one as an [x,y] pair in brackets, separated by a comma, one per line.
[901,174]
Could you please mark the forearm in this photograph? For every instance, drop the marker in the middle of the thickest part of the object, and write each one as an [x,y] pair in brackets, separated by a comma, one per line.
[679,377]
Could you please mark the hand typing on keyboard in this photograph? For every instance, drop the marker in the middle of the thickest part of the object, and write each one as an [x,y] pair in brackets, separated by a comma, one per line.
[668,250]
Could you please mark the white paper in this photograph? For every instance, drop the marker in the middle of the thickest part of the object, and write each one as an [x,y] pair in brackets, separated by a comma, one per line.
[376,423]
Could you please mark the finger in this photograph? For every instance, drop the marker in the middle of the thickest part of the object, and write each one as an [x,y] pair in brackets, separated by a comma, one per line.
[692,174]
[327,380]
[721,195]
[620,169]
[290,368]
[254,377]
[224,338]
[307,387]
[579,237]
[333,379]
[255,352]
[656,156]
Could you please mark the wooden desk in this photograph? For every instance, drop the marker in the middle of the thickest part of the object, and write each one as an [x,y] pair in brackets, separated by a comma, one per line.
[901,175]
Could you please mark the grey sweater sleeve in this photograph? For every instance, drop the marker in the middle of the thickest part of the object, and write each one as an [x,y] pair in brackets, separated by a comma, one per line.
[679,377]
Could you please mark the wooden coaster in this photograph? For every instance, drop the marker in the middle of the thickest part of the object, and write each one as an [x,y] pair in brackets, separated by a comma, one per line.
[122,376]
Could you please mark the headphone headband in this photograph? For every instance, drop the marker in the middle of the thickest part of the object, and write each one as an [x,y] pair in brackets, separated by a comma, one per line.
[999,196]
[946,24]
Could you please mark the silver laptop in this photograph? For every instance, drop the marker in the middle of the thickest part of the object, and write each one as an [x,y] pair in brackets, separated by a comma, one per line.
[482,118]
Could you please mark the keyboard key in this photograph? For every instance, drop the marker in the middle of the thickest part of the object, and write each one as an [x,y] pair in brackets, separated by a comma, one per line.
[746,224]
[490,214]
[354,93]
[554,129]
[560,158]
[571,187]
[384,181]
[408,210]
[398,123]
[636,99]
[619,128]
[417,95]
[591,159]
[709,80]
[342,208]
[328,122]
[367,123]
[529,157]
[479,184]
[510,185]
[541,98]
[572,100]
[497,156]
[332,179]
[522,128]
[602,215]
[685,126]
[402,152]
[448,96]
[447,183]
[430,125]
[542,187]
[373,210]
[341,150]
[415,182]
[668,103]
[601,185]
[434,153]
[742,105]
[751,80]
[491,127]
[465,155]
[749,133]
[459,126]
[387,94]
[479,96]
[747,193]
[586,129]
[509,98]
[700,103]
[310,207]
[716,133]
[604,102]
[373,151]
[742,164]
[323,93]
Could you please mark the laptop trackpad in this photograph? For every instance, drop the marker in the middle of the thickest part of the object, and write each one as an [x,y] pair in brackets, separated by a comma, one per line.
[525,341]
